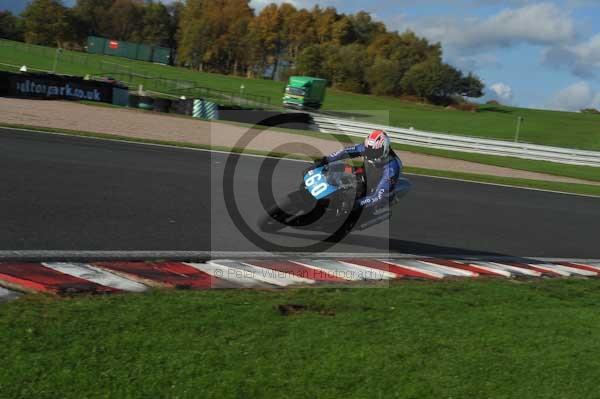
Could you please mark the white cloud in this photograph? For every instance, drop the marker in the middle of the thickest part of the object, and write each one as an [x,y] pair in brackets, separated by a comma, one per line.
[583,59]
[472,63]
[539,24]
[575,97]
[500,92]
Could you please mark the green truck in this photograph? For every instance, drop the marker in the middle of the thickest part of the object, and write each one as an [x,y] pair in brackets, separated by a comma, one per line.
[304,92]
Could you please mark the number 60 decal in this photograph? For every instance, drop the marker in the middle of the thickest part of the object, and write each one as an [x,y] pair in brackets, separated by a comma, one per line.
[319,188]
[313,179]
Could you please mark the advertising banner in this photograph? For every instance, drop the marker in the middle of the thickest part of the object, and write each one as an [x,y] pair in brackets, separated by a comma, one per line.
[57,87]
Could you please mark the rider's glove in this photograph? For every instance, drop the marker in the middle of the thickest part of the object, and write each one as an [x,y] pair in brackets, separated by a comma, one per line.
[320,162]
[306,170]
[316,163]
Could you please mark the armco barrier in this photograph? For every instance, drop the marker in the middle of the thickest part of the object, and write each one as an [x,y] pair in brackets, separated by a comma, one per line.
[328,124]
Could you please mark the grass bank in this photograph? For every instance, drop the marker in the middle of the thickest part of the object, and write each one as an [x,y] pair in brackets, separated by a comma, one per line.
[492,339]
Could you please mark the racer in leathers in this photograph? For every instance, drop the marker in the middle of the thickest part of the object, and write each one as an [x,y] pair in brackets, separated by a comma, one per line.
[382,170]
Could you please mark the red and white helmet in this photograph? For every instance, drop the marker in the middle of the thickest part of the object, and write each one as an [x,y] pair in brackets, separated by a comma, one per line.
[377,146]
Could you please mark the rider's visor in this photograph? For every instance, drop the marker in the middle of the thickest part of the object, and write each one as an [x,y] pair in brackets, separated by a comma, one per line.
[372,153]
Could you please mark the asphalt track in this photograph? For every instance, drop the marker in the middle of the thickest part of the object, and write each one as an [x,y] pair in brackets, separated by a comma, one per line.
[70,193]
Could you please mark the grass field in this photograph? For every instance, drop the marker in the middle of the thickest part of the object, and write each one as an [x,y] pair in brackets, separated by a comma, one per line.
[455,339]
[540,126]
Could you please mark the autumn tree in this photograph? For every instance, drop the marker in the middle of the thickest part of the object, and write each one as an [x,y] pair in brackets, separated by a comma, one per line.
[385,77]
[331,61]
[46,22]
[126,21]
[11,27]
[342,32]
[93,17]
[214,34]
[156,24]
[350,67]
[194,34]
[232,42]
[301,31]
[324,20]
[175,10]
[432,80]
[395,54]
[310,62]
[365,29]
[266,38]
[471,86]
[135,20]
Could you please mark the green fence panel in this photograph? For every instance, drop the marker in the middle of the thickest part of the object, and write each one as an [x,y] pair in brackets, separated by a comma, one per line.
[134,51]
[131,50]
[162,55]
[95,45]
[116,48]
[144,53]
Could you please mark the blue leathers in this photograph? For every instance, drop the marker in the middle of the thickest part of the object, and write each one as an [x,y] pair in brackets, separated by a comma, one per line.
[390,181]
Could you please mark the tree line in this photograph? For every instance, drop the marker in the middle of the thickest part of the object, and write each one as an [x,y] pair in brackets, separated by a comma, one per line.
[353,52]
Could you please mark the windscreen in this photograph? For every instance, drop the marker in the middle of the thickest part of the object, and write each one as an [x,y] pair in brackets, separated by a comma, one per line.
[295,91]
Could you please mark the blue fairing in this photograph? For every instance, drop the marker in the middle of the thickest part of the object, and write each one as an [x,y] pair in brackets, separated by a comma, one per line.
[318,186]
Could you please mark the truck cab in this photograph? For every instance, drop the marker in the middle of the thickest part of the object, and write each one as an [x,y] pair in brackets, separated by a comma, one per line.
[304,92]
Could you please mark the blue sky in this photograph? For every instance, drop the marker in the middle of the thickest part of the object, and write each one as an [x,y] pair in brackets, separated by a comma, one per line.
[541,54]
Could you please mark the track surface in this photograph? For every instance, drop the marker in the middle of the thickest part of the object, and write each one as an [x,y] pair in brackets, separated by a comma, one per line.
[68,193]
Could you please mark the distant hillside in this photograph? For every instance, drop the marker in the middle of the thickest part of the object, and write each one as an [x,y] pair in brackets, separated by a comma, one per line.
[567,129]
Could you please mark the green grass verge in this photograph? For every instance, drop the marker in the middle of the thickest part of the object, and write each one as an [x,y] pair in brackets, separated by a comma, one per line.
[541,126]
[583,189]
[554,128]
[455,339]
